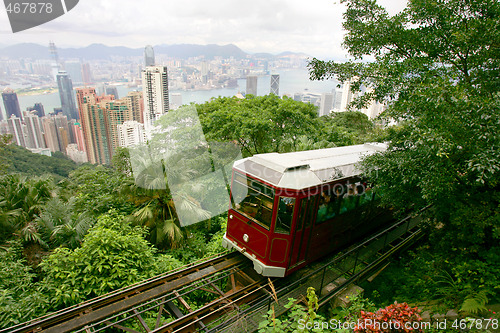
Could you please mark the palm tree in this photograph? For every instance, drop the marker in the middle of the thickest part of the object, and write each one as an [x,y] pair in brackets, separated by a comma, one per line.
[24,198]
[61,226]
[151,193]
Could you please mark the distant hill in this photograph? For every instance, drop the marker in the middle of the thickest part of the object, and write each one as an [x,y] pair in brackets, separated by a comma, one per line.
[21,160]
[100,51]
[210,51]
[25,50]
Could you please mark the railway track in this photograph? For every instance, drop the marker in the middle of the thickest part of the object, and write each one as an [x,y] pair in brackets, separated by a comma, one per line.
[225,283]
[109,310]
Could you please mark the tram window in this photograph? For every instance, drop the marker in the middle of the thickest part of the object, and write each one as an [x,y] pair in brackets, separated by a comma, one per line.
[285,215]
[253,199]
[310,210]
[306,212]
[350,199]
[302,214]
[328,206]
[366,196]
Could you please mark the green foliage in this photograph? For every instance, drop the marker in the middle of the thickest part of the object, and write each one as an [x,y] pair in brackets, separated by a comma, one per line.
[351,311]
[121,161]
[259,124]
[61,225]
[20,299]
[474,304]
[5,139]
[21,201]
[21,160]
[297,318]
[97,190]
[436,66]
[113,255]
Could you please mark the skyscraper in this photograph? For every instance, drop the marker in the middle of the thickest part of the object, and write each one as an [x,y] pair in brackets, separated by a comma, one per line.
[275,84]
[74,69]
[65,86]
[116,113]
[347,96]
[11,103]
[17,130]
[40,111]
[111,90]
[155,94]
[86,74]
[251,85]
[149,56]
[326,104]
[93,125]
[50,133]
[99,118]
[136,104]
[79,138]
[33,130]
[131,133]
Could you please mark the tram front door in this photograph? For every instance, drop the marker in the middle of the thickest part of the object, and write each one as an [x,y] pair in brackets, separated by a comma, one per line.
[302,231]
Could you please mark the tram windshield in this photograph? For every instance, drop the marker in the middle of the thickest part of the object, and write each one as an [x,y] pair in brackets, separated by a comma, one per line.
[253,199]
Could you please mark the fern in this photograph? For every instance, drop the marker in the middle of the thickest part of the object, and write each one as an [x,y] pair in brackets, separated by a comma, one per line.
[475,304]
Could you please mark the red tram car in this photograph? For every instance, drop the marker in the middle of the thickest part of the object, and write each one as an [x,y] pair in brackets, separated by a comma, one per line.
[288,210]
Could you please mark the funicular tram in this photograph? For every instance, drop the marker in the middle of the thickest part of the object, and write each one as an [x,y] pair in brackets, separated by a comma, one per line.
[288,210]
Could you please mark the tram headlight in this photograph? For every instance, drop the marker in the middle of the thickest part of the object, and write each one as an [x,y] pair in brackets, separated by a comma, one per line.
[245,238]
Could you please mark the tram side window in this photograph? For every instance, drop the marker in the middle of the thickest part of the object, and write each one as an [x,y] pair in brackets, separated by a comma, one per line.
[328,206]
[366,195]
[285,215]
[253,199]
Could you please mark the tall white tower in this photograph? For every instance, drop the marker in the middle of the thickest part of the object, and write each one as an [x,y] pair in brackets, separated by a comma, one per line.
[275,84]
[155,92]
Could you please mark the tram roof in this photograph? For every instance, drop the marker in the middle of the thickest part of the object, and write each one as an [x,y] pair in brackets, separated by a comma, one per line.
[303,169]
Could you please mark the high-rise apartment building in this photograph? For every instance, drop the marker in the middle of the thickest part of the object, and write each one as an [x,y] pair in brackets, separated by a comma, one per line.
[136,105]
[79,138]
[16,128]
[155,94]
[92,119]
[50,134]
[99,119]
[131,133]
[86,74]
[251,85]
[56,131]
[117,112]
[34,131]
[65,86]
[275,84]
[347,96]
[149,56]
[11,103]
[326,104]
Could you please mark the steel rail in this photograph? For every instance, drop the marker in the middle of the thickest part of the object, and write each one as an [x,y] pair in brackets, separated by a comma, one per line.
[101,303]
[161,300]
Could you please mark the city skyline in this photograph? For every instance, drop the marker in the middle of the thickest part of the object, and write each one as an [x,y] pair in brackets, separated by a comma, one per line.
[263,26]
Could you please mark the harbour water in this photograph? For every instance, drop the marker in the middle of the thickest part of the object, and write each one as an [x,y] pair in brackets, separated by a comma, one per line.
[291,81]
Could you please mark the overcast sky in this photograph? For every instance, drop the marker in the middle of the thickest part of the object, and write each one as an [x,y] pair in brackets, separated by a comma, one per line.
[313,27]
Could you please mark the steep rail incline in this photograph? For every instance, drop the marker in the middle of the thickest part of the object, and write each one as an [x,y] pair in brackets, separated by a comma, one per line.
[88,315]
